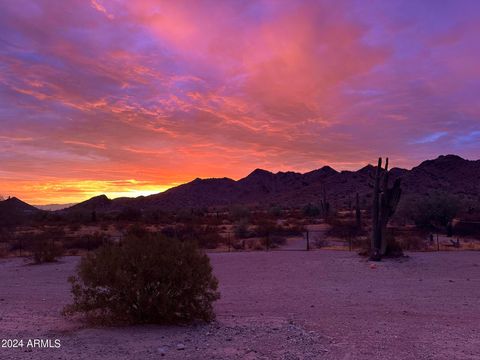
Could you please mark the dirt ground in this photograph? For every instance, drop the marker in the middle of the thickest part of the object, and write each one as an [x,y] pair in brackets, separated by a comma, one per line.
[275,305]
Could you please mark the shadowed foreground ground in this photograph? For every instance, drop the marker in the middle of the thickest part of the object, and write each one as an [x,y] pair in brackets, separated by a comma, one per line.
[276,305]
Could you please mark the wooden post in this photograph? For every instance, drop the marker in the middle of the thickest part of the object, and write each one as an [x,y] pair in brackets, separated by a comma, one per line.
[438,244]
[308,242]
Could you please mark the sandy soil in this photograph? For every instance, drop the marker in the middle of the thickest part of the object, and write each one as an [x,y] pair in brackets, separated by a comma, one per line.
[275,305]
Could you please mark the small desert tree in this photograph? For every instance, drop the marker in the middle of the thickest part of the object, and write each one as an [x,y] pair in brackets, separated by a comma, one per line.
[145,279]
[45,247]
[436,211]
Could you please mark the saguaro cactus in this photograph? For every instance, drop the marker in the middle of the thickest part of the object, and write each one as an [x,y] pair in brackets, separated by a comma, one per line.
[385,201]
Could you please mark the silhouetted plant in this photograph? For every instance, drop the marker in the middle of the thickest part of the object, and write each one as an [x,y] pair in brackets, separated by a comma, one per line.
[86,242]
[385,202]
[241,229]
[147,279]
[275,212]
[310,210]
[47,246]
[206,237]
[240,213]
[434,212]
[129,214]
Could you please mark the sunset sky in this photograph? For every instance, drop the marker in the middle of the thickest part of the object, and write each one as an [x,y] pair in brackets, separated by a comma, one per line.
[132,97]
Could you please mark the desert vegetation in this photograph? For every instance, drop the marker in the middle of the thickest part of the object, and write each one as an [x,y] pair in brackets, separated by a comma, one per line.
[47,236]
[147,278]
[152,266]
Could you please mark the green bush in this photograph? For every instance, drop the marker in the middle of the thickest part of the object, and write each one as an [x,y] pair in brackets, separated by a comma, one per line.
[147,279]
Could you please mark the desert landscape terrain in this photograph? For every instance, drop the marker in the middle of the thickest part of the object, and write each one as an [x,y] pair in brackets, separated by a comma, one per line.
[261,179]
[275,305]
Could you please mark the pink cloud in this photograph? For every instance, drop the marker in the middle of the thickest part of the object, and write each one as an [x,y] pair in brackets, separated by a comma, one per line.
[164,92]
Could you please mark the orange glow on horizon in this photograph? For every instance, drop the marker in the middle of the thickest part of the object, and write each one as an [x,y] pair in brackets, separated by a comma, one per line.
[77,191]
[129,98]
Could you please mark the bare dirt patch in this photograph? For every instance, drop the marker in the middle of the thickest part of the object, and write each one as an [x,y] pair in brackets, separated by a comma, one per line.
[275,305]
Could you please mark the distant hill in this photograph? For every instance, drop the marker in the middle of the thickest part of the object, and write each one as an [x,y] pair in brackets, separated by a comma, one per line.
[449,173]
[98,203]
[15,205]
[13,211]
[54,207]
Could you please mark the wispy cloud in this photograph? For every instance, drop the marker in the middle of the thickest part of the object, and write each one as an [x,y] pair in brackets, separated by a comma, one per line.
[430,138]
[168,91]
[86,144]
[99,7]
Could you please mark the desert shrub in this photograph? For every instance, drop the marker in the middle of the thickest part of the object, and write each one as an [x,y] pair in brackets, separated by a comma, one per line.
[414,242]
[16,244]
[257,245]
[241,229]
[209,238]
[269,227]
[187,216]
[120,226]
[86,242]
[77,216]
[129,214]
[361,242]
[311,211]
[345,229]
[3,250]
[240,213]
[275,241]
[44,250]
[148,279]
[394,247]
[275,212]
[5,235]
[292,230]
[74,227]
[319,243]
[169,231]
[265,228]
[206,237]
[46,246]
[431,213]
[238,245]
[467,228]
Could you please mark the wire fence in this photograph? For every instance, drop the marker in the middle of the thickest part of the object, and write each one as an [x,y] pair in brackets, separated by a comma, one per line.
[308,240]
[305,241]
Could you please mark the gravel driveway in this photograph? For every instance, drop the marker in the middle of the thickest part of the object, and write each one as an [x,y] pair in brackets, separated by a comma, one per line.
[275,305]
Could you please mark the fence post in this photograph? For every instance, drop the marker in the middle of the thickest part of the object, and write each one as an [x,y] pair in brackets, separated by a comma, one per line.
[308,241]
[228,238]
[438,244]
[267,241]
